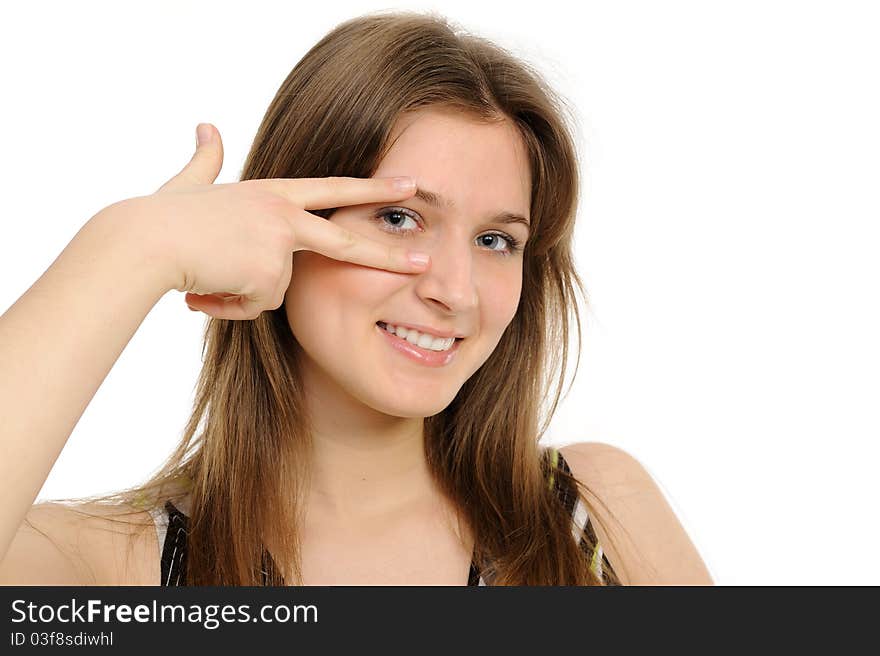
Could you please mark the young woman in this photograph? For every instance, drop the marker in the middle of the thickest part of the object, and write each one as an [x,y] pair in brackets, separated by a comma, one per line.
[360,418]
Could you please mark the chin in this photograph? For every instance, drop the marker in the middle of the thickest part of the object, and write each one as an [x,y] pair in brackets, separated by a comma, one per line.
[414,410]
[407,406]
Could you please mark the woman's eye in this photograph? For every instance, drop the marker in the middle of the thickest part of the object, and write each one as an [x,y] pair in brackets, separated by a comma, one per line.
[499,239]
[398,217]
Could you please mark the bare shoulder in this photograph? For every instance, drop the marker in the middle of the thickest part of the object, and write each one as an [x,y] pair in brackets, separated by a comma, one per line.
[638,530]
[82,544]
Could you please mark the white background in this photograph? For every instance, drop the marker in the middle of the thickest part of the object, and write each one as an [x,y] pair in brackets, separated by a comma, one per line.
[727,236]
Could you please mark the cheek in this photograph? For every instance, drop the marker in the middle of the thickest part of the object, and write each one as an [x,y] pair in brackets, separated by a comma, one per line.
[331,295]
[311,279]
[308,286]
[499,297]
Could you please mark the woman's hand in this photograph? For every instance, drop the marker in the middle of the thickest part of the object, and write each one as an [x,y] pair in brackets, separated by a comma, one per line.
[230,246]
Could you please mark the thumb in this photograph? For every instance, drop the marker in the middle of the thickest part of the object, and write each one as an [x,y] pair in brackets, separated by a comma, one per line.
[206,162]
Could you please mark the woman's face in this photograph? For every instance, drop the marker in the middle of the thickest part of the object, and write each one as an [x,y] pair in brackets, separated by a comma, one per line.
[471,288]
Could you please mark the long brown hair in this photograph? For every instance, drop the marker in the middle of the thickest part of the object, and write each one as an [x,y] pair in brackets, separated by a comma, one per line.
[243,470]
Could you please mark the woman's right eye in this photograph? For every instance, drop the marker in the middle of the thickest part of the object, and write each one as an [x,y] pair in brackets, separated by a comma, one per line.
[397,214]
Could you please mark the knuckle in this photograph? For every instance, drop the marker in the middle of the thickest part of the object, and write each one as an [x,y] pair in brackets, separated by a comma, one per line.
[275,274]
[269,274]
[248,289]
[283,235]
[273,202]
[288,240]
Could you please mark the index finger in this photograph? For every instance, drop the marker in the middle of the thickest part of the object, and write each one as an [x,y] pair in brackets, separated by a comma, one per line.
[331,240]
[339,191]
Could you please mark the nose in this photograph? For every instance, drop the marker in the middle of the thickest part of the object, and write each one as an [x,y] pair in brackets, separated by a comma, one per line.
[449,283]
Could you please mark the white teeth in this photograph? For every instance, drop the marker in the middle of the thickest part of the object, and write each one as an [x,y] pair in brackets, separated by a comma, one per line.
[422,340]
[442,344]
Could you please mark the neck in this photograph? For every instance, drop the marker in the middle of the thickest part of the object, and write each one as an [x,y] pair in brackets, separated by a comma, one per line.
[364,463]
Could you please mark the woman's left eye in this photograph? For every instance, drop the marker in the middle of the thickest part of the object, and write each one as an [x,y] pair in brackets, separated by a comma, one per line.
[400,215]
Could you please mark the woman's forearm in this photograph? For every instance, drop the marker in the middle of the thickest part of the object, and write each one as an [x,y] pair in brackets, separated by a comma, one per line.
[59,341]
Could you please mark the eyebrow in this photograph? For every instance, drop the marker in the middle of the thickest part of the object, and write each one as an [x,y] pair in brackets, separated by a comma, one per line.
[434,199]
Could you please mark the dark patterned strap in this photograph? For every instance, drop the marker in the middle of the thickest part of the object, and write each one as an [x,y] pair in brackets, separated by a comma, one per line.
[582,527]
[474,575]
[174,549]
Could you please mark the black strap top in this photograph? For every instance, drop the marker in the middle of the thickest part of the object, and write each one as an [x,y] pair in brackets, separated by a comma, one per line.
[172,529]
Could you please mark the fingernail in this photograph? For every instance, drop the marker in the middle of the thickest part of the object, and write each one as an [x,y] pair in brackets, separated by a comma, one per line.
[203,134]
[404,183]
[418,259]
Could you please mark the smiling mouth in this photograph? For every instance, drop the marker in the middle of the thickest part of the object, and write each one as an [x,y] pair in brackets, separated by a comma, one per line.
[427,357]
[383,325]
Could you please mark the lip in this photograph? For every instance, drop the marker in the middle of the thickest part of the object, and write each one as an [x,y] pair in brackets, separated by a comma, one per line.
[424,329]
[418,354]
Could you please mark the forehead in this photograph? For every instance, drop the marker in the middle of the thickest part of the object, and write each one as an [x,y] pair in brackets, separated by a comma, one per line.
[477,165]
